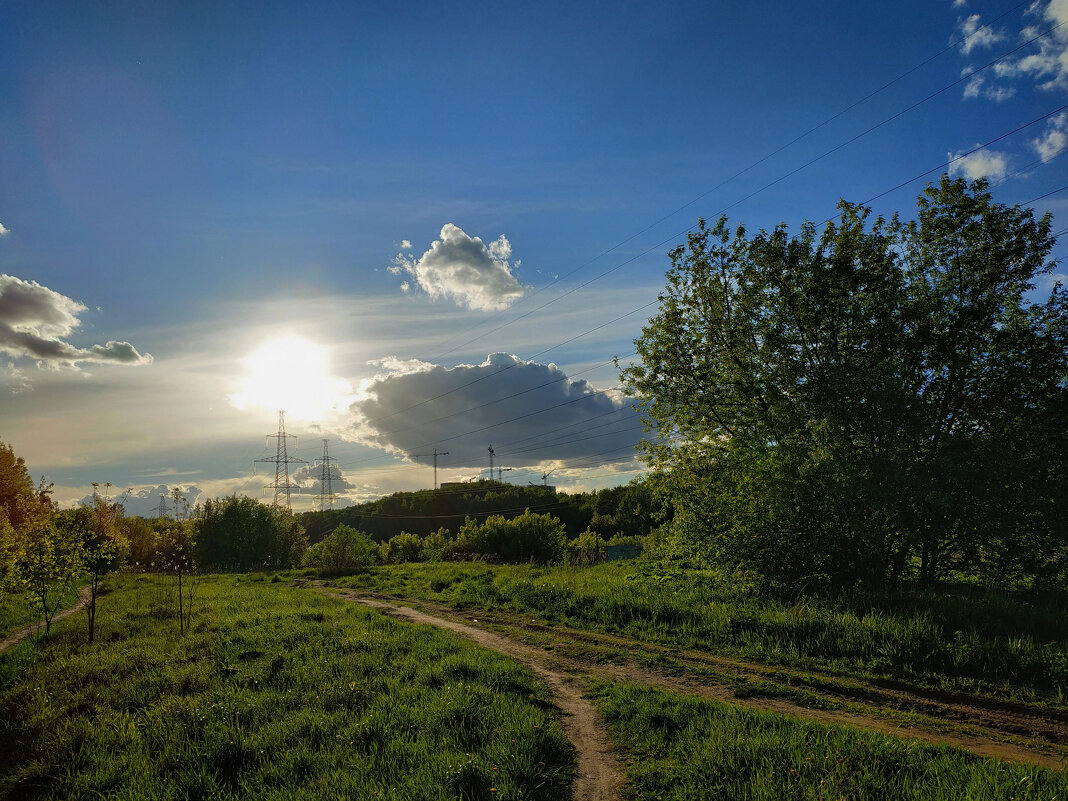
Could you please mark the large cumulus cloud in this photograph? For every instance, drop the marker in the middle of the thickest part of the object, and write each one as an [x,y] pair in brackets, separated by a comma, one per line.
[531,413]
[36,321]
[464,269]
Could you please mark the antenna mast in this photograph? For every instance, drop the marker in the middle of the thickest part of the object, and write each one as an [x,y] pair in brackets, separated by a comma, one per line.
[435,454]
[326,497]
[282,486]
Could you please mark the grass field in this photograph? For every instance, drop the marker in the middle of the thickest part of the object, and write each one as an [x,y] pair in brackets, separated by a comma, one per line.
[685,749]
[275,693]
[16,612]
[962,639]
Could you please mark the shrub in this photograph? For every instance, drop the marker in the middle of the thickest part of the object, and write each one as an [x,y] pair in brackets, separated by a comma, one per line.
[527,538]
[586,549]
[404,547]
[342,550]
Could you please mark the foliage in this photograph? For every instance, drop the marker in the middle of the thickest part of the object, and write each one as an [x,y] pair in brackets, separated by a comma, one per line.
[344,549]
[632,509]
[681,748]
[964,638]
[52,559]
[19,502]
[586,549]
[276,693]
[874,403]
[404,547]
[528,538]
[239,533]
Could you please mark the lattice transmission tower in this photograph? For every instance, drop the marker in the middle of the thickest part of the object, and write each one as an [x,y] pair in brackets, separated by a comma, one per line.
[282,486]
[326,497]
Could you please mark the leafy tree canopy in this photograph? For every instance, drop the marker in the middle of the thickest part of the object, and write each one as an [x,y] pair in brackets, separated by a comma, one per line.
[875,400]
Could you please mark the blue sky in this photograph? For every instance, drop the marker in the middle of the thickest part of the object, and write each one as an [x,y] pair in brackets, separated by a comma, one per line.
[201,179]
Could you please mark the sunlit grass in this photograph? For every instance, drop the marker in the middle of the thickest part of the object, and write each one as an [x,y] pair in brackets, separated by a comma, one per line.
[16,610]
[275,693]
[996,643]
[685,749]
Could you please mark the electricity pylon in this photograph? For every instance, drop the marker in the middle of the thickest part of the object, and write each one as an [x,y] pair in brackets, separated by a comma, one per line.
[436,454]
[282,486]
[326,497]
[500,470]
[492,454]
[161,510]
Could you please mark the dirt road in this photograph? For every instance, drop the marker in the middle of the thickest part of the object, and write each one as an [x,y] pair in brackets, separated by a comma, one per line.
[561,656]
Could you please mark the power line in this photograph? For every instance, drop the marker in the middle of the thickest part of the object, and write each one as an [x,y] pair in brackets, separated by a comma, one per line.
[951,46]
[326,497]
[282,486]
[726,208]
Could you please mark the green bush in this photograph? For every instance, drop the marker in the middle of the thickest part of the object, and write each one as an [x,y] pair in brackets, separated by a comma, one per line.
[404,547]
[527,538]
[342,550]
[586,549]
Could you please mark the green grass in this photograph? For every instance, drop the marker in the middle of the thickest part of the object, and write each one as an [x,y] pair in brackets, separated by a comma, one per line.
[276,693]
[16,611]
[1008,645]
[684,749]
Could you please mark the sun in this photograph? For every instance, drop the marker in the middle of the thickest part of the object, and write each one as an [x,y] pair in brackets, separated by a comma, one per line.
[292,374]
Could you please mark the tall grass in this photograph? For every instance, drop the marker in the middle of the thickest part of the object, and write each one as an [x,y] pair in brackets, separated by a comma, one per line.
[958,638]
[16,610]
[684,749]
[274,693]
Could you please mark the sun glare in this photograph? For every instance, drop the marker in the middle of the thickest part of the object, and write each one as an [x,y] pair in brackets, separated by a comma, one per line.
[293,374]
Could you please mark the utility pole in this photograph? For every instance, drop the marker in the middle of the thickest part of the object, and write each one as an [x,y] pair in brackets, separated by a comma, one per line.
[436,454]
[326,497]
[282,486]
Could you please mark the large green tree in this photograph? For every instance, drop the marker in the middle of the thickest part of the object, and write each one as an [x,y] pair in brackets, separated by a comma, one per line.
[877,401]
[239,533]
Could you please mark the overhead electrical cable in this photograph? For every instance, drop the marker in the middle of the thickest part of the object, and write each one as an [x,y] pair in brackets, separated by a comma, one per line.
[951,46]
[765,187]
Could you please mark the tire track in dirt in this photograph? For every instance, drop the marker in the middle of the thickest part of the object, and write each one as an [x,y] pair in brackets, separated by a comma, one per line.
[599,774]
[997,717]
[19,635]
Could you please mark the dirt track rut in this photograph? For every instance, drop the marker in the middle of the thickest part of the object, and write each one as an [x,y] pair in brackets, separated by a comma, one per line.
[989,722]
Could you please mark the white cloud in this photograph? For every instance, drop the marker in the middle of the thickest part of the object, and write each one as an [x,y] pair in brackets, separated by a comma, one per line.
[980,164]
[960,3]
[464,269]
[1054,140]
[144,501]
[999,94]
[974,34]
[971,89]
[1048,67]
[4,231]
[531,413]
[35,322]
[406,244]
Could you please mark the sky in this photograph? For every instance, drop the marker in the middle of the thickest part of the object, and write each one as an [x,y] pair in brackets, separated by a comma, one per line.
[419,228]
